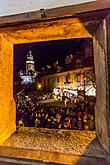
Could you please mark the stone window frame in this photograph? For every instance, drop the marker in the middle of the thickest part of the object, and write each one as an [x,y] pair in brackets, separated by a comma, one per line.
[46,31]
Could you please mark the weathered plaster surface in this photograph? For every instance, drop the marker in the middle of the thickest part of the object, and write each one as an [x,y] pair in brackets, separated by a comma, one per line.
[7,104]
[62,29]
[101,111]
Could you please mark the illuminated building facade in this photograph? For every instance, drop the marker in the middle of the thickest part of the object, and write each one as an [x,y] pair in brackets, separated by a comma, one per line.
[29,75]
[75,81]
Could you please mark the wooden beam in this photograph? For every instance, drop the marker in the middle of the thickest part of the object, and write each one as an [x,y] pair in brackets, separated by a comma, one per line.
[92,16]
[81,8]
[87,11]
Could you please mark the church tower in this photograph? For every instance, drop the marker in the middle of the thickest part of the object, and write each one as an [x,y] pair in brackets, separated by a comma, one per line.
[30,66]
[29,75]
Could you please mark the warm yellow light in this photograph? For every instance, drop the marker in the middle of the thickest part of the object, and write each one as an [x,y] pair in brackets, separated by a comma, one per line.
[39,86]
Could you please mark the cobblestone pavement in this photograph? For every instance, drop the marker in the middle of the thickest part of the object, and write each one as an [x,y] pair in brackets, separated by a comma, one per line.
[57,140]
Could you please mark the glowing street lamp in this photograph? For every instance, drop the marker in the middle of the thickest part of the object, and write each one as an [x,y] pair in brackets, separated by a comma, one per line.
[39,86]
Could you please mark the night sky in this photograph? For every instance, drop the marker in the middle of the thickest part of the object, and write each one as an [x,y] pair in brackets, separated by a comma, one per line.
[47,52]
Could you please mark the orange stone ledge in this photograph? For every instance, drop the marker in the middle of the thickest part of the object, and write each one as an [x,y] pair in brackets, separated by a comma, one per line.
[29,143]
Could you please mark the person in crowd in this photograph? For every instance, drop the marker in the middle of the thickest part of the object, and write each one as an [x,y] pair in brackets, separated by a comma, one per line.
[30,113]
[65,101]
[67,123]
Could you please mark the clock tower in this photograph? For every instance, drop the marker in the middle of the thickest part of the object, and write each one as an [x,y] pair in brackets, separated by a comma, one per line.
[29,75]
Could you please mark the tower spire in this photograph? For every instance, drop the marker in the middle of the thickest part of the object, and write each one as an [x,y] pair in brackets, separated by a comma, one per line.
[30,72]
[30,55]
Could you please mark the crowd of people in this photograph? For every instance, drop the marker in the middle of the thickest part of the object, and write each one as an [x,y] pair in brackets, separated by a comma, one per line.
[32,113]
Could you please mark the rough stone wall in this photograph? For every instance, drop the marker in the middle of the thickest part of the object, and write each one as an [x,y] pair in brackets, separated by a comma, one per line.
[53,30]
[62,29]
[101,111]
